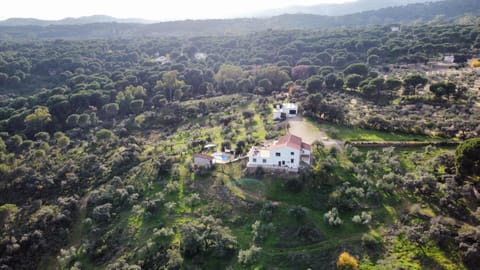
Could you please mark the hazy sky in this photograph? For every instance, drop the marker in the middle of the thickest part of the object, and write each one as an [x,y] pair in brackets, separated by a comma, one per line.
[147,9]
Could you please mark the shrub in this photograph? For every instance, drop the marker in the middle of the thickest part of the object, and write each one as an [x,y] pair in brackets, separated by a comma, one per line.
[298,212]
[175,259]
[267,211]
[193,242]
[101,213]
[364,218]
[333,218]
[467,159]
[347,262]
[171,206]
[192,200]
[372,241]
[172,187]
[100,196]
[67,256]
[163,232]
[261,230]
[42,136]
[249,256]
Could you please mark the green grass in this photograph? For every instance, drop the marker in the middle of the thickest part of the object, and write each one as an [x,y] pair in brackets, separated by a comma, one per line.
[406,255]
[413,157]
[358,134]
[260,132]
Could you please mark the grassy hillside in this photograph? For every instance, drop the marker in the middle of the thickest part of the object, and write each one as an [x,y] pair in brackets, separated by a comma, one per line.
[97,139]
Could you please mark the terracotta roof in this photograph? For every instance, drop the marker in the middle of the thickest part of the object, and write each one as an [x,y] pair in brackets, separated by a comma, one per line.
[203,156]
[306,146]
[291,141]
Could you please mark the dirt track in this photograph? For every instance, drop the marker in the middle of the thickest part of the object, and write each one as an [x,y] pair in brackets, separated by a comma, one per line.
[310,133]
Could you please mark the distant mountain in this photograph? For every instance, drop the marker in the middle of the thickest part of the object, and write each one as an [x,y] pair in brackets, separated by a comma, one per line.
[438,12]
[340,9]
[70,21]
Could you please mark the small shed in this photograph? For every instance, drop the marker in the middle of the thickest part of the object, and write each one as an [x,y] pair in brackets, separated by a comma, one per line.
[202,161]
[285,110]
[210,145]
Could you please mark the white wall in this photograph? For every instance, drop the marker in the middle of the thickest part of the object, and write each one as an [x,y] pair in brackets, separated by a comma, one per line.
[285,157]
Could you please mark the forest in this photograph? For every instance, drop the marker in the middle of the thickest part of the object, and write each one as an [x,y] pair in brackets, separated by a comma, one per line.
[97,138]
[98,27]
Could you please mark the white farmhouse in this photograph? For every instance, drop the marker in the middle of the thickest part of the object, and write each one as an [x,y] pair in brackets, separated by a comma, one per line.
[285,110]
[395,28]
[287,153]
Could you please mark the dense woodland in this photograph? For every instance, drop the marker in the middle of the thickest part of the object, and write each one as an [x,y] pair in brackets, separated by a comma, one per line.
[97,137]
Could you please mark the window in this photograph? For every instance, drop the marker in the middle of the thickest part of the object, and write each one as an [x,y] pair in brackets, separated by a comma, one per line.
[264,161]
[283,162]
[254,160]
[292,153]
[292,160]
[277,154]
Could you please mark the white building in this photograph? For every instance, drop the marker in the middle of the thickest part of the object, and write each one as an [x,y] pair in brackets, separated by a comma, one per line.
[395,28]
[162,60]
[285,110]
[200,56]
[286,153]
[449,59]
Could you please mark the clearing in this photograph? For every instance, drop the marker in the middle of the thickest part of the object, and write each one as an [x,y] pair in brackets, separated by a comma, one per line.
[310,133]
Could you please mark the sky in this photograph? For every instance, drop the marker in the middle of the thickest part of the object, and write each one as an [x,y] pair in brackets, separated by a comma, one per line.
[145,9]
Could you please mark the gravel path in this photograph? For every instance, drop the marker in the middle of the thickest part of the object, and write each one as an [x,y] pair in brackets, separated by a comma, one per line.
[310,133]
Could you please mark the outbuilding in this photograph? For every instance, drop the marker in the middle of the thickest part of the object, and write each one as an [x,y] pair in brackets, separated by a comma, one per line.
[202,161]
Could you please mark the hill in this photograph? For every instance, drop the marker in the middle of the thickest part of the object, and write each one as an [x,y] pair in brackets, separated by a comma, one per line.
[70,21]
[443,11]
[341,9]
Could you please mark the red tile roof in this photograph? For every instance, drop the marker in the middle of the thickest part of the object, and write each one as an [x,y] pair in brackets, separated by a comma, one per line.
[291,141]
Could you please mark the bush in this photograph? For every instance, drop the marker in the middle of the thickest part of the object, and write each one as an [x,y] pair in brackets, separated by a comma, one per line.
[467,159]
[333,218]
[42,136]
[364,218]
[101,213]
[267,211]
[261,230]
[175,259]
[372,241]
[192,200]
[249,256]
[193,242]
[98,197]
[163,232]
[298,212]
[347,262]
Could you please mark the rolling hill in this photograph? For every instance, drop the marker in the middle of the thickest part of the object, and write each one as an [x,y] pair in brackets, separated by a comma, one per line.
[439,12]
